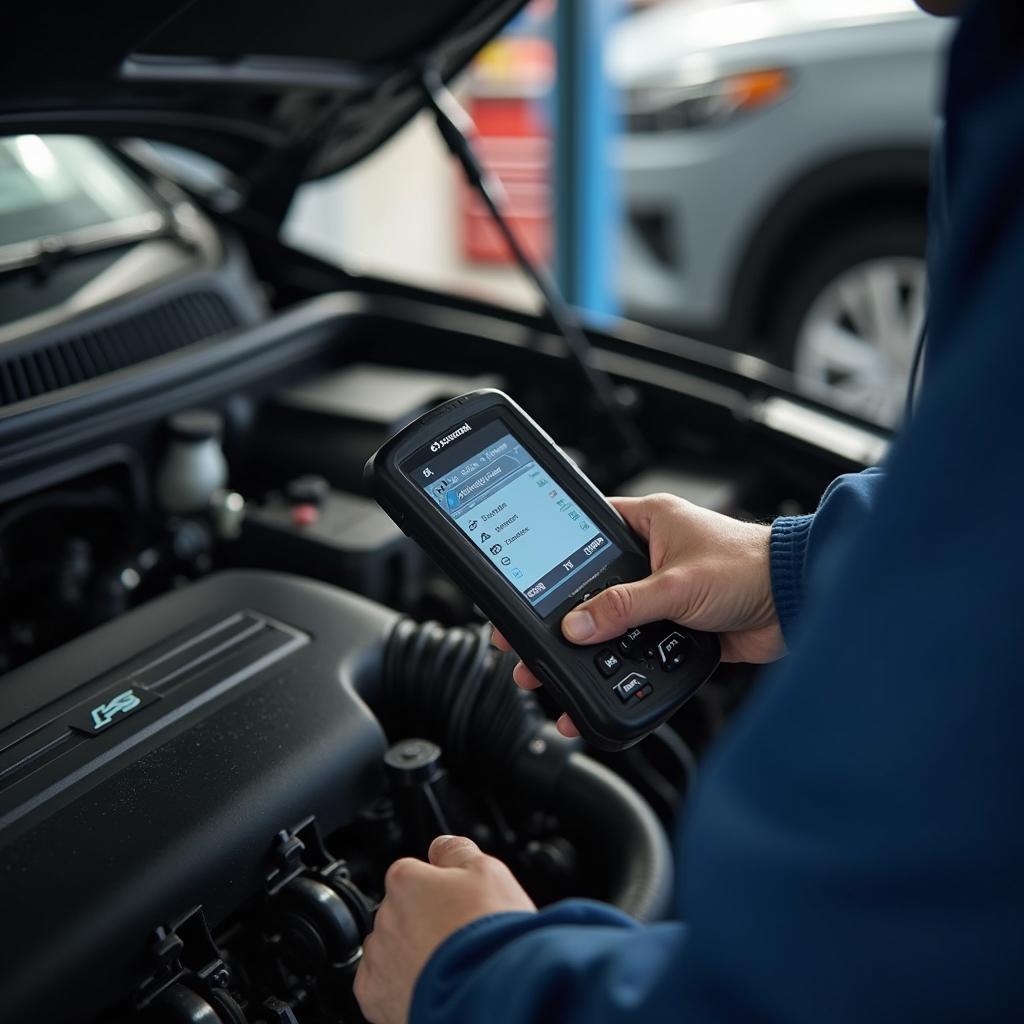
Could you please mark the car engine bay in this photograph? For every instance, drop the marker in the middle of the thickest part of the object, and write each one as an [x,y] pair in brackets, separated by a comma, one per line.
[232,692]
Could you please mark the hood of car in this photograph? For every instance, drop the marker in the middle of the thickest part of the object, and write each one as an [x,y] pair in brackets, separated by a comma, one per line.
[275,92]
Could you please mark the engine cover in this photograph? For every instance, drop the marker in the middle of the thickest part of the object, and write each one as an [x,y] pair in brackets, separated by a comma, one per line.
[146,767]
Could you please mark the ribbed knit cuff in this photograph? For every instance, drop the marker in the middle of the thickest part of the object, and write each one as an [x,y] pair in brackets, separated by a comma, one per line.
[788,549]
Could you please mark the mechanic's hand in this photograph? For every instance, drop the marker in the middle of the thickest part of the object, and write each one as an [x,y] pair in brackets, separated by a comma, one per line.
[423,905]
[709,572]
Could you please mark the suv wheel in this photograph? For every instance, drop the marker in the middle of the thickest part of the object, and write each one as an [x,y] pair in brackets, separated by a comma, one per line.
[853,316]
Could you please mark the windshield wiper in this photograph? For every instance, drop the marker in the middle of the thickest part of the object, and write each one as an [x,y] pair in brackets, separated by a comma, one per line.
[41,254]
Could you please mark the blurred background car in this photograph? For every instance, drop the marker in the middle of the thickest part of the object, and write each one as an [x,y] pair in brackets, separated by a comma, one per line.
[774,167]
[751,173]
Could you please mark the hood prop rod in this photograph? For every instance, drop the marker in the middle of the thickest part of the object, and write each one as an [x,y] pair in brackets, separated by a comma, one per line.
[456,127]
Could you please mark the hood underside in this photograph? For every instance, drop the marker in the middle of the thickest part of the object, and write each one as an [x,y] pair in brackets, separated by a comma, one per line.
[275,92]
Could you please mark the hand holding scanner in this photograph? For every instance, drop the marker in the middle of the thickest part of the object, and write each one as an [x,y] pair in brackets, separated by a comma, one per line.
[494,501]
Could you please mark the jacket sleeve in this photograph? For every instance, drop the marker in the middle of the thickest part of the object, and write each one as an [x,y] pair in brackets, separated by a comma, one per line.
[802,546]
[583,963]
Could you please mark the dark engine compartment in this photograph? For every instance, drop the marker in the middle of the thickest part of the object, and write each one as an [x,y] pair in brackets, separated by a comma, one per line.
[164,817]
[207,759]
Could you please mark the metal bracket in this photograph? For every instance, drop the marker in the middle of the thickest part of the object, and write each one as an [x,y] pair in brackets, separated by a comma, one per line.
[182,947]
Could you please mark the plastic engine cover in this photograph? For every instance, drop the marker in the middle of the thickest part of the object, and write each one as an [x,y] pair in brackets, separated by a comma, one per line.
[146,768]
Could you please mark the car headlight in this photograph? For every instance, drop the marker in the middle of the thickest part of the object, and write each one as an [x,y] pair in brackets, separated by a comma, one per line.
[674,107]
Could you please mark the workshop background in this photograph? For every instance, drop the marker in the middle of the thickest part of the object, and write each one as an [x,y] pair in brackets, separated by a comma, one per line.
[752,173]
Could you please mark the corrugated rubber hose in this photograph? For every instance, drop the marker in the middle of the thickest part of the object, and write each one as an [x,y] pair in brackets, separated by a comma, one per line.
[450,686]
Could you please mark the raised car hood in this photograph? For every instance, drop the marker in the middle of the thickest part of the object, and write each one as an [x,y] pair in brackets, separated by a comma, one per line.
[276,92]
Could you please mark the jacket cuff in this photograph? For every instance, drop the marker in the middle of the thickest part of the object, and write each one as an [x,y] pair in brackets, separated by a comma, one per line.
[468,949]
[788,551]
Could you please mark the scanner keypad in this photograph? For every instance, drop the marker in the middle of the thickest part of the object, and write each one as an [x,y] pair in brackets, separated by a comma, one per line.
[659,646]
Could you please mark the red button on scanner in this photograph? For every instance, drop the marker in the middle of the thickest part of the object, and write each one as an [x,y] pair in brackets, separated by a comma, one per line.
[305,515]
[629,688]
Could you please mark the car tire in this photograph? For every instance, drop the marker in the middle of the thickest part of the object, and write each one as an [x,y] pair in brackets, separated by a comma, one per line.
[850,314]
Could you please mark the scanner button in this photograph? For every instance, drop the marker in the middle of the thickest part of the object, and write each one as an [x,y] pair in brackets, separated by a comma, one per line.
[672,651]
[628,641]
[608,662]
[631,686]
[305,514]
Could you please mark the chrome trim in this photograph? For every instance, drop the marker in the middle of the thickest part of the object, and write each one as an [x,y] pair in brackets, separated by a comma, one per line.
[821,430]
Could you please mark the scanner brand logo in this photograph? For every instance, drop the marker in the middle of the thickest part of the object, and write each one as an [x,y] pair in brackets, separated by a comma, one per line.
[441,442]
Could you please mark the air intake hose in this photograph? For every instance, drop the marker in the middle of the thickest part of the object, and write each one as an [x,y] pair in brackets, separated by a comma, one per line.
[450,686]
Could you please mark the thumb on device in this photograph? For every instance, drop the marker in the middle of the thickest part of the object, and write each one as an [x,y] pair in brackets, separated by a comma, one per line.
[619,608]
[452,852]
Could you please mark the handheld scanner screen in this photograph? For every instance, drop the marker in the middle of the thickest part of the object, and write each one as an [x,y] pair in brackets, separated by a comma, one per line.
[516,514]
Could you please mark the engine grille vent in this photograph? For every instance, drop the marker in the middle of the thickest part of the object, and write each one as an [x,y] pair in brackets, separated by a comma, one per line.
[172,325]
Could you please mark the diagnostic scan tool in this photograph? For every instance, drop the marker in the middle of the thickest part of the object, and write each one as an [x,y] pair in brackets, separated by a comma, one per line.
[494,501]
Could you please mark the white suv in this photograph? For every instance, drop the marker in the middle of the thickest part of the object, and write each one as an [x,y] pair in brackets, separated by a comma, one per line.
[775,161]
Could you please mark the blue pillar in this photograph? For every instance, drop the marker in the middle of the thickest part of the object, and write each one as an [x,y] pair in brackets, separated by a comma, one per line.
[585,127]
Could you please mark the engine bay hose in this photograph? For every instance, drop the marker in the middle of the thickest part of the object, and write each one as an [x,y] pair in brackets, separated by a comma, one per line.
[630,834]
[450,686]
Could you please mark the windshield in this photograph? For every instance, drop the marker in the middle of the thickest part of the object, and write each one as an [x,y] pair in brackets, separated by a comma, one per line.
[58,185]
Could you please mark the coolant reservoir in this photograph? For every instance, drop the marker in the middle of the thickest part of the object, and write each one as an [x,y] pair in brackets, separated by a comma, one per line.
[194,466]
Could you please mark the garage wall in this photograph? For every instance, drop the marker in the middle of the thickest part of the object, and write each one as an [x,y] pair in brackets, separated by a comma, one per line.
[396,215]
